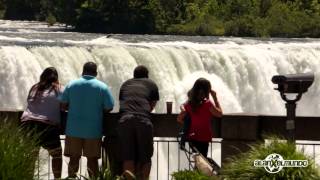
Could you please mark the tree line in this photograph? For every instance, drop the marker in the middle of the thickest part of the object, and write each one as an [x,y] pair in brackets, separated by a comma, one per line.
[250,18]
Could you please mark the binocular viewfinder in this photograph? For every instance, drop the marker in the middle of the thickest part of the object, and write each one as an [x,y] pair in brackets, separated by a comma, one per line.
[293,83]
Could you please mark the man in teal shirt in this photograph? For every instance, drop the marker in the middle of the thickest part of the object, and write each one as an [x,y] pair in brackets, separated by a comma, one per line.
[86,100]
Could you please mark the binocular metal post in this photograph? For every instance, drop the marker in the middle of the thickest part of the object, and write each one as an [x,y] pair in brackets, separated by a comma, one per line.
[291,115]
[290,123]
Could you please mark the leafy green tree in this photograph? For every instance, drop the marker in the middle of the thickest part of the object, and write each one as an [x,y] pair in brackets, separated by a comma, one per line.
[258,18]
[2,9]
[264,6]
[67,11]
[21,9]
[119,16]
[167,13]
[285,20]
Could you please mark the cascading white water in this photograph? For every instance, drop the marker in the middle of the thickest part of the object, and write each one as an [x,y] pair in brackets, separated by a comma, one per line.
[239,69]
[240,73]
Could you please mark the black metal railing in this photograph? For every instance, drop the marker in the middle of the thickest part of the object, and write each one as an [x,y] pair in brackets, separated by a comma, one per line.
[167,158]
[237,131]
[311,149]
[176,159]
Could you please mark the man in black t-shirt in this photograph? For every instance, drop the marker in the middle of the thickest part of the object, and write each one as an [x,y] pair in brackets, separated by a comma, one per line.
[138,97]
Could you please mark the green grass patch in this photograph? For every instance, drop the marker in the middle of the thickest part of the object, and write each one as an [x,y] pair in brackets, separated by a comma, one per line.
[191,175]
[241,167]
[18,152]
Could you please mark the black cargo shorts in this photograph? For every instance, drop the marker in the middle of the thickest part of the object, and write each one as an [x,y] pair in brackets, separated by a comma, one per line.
[136,138]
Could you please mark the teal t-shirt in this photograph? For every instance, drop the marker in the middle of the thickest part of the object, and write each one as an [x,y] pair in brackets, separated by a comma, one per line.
[87,98]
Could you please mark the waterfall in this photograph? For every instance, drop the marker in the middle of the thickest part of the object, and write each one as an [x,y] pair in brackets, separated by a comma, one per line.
[240,72]
[239,69]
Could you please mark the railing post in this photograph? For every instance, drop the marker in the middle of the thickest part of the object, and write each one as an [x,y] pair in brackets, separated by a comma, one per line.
[290,123]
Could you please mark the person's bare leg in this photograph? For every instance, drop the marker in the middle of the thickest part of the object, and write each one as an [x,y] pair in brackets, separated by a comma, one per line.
[128,166]
[56,161]
[92,167]
[73,166]
[145,171]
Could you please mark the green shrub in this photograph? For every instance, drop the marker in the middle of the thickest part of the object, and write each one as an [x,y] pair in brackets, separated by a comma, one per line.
[2,13]
[51,20]
[243,26]
[18,153]
[261,27]
[190,175]
[241,166]
[207,25]
[104,175]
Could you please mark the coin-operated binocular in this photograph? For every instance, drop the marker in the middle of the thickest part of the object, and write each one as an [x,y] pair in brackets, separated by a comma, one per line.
[292,84]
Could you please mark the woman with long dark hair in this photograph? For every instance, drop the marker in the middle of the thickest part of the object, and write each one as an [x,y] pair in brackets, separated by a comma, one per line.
[42,116]
[200,111]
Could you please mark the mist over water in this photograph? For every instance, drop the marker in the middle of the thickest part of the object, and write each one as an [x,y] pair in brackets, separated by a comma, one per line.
[240,69]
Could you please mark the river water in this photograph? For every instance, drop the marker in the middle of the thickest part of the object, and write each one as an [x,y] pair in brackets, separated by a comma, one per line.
[240,69]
